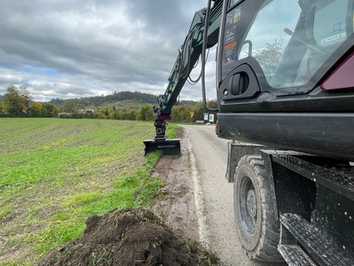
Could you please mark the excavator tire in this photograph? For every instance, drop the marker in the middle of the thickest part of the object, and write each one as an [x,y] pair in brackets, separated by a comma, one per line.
[255,210]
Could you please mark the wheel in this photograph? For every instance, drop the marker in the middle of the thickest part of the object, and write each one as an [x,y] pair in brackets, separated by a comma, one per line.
[255,209]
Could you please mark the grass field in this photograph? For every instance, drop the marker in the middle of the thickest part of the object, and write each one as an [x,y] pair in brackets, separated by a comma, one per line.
[56,173]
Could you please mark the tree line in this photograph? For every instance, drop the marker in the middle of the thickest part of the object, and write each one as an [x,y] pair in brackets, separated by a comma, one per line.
[180,113]
[18,103]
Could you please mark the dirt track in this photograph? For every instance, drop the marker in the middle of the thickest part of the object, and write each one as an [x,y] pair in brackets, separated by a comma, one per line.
[198,201]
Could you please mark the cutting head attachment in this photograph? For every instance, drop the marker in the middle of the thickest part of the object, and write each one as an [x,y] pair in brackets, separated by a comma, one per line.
[166,146]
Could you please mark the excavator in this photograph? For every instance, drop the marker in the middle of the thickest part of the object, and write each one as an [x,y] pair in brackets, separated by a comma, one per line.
[285,94]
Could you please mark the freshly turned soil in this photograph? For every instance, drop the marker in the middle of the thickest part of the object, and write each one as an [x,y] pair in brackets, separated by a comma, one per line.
[129,237]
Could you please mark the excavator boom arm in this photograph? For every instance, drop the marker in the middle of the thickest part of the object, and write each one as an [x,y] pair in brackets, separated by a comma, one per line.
[188,55]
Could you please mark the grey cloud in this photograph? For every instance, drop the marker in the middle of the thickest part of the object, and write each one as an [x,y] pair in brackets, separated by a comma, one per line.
[93,46]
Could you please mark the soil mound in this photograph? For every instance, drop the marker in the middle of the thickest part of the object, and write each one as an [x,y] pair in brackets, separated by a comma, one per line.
[129,237]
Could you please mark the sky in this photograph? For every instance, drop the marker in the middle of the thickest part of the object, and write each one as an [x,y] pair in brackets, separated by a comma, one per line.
[80,48]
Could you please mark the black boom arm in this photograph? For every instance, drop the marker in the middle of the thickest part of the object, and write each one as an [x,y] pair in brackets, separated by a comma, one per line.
[188,56]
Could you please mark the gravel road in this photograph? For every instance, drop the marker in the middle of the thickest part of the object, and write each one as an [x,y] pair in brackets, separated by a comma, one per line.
[210,157]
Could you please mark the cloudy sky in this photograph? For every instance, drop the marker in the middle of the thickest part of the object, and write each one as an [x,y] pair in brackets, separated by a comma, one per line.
[76,48]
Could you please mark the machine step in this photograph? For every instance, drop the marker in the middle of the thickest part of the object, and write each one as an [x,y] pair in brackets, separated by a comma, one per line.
[318,244]
[295,256]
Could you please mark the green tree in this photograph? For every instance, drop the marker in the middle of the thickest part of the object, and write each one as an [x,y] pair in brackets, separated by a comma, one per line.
[70,107]
[131,115]
[16,102]
[270,56]
[117,115]
[2,107]
[49,110]
[198,112]
[146,113]
[37,109]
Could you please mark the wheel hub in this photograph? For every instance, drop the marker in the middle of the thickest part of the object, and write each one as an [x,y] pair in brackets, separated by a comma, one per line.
[251,203]
[248,206]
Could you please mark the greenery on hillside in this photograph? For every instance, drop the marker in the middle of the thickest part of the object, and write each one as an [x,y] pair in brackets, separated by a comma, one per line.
[119,106]
[55,173]
[116,98]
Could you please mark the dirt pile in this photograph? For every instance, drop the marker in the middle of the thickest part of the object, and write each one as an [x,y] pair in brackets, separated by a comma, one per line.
[129,237]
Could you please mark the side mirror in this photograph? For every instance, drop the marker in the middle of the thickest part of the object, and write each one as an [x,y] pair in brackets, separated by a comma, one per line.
[246,49]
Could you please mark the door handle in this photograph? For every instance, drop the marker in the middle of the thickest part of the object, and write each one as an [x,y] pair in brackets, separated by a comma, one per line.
[239,83]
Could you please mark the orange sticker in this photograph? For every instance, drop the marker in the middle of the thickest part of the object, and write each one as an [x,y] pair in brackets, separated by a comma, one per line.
[231,45]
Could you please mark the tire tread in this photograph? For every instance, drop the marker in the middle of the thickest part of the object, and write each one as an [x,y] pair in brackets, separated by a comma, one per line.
[266,249]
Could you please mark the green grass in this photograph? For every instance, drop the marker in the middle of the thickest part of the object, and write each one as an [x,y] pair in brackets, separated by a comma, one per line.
[56,173]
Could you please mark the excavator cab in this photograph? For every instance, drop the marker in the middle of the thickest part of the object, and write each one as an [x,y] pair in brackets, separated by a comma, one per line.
[286,47]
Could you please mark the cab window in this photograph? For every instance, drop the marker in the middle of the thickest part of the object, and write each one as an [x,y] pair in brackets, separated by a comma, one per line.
[231,38]
[290,39]
[233,2]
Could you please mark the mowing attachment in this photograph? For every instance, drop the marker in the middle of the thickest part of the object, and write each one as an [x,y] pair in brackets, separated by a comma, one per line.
[161,143]
[166,146]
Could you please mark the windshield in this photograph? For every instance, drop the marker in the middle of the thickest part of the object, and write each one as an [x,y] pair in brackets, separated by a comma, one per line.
[292,40]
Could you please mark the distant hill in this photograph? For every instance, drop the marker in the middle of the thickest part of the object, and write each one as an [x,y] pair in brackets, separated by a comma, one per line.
[124,98]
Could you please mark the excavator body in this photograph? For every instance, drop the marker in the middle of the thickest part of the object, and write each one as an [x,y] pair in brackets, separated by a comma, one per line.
[285,91]
[285,77]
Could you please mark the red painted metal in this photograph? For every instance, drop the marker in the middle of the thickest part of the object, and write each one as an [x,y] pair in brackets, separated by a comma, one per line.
[342,77]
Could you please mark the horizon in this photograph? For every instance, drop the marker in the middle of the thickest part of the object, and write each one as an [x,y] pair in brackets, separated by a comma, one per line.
[102,95]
